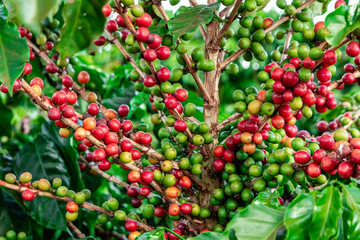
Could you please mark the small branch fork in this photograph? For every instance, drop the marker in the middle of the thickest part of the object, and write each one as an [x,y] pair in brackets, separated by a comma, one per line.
[85,205]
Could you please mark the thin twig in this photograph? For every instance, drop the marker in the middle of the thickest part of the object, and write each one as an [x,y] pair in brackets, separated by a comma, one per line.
[227,25]
[289,35]
[228,120]
[77,231]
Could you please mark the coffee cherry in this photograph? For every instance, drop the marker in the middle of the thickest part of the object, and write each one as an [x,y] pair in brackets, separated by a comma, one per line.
[345,170]
[144,21]
[72,207]
[131,226]
[142,34]
[71,216]
[327,142]
[52,68]
[163,53]
[353,49]
[150,55]
[123,110]
[313,170]
[28,195]
[83,77]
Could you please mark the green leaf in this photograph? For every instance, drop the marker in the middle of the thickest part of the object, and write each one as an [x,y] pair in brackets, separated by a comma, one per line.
[298,215]
[327,211]
[67,152]
[188,19]
[161,26]
[14,53]
[255,222]
[6,114]
[3,14]
[340,23]
[43,160]
[157,234]
[84,22]
[31,12]
[207,236]
[270,199]
[318,8]
[351,215]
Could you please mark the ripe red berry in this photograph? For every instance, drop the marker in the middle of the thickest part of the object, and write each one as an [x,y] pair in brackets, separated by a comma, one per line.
[72,207]
[327,142]
[308,63]
[68,111]
[147,176]
[112,149]
[318,26]
[338,3]
[106,9]
[112,26]
[28,195]
[144,21]
[290,78]
[123,110]
[302,157]
[58,98]
[93,109]
[100,41]
[126,125]
[163,53]
[330,57]
[149,81]
[150,55]
[180,125]
[146,139]
[185,208]
[170,102]
[99,155]
[163,74]
[313,170]
[323,75]
[52,68]
[345,170]
[156,41]
[142,34]
[83,77]
[322,126]
[277,74]
[348,78]
[27,68]
[353,49]
[131,226]
[318,155]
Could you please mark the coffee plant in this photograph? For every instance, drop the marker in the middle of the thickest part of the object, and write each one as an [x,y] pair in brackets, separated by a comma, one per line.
[123,120]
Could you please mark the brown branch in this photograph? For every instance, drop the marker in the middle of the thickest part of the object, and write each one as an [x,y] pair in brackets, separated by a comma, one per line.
[85,205]
[238,53]
[77,231]
[227,25]
[354,119]
[225,11]
[108,177]
[227,121]
[186,57]
[289,35]
[116,42]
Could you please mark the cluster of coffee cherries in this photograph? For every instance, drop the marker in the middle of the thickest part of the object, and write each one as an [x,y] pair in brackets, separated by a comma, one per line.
[56,187]
[11,235]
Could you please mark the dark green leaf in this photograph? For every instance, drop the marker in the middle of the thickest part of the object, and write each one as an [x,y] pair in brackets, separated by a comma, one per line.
[43,160]
[340,23]
[3,14]
[84,23]
[255,222]
[31,12]
[351,215]
[188,19]
[208,236]
[67,152]
[161,26]
[6,115]
[298,215]
[270,199]
[327,211]
[157,234]
[121,96]
[14,52]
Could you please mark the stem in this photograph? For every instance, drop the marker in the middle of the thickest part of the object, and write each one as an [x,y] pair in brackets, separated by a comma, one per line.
[77,231]
[355,117]
[227,25]
[227,121]
[186,57]
[116,42]
[289,35]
